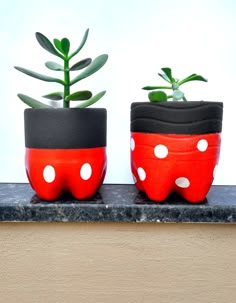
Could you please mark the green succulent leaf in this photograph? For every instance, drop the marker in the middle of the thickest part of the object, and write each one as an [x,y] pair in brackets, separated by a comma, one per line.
[38,76]
[157,96]
[79,96]
[65,46]
[47,45]
[81,44]
[32,102]
[92,100]
[178,94]
[57,44]
[167,71]
[56,96]
[95,65]
[156,87]
[193,77]
[81,64]
[164,77]
[54,66]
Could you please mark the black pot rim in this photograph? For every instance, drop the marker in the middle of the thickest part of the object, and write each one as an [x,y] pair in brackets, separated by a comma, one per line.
[65,128]
[177,117]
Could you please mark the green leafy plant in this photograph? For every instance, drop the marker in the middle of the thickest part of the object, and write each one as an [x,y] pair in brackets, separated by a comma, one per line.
[174,84]
[61,49]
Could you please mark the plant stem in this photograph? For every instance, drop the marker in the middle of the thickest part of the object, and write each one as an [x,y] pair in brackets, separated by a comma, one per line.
[66,104]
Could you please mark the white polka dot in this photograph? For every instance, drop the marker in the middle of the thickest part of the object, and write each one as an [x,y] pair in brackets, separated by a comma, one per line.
[132,144]
[86,171]
[141,174]
[202,145]
[161,151]
[182,182]
[215,170]
[49,174]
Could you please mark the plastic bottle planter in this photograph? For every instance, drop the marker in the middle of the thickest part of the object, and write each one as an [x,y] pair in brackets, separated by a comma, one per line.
[175,147]
[65,151]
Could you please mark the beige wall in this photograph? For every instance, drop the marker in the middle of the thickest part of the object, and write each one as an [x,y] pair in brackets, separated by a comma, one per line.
[115,262]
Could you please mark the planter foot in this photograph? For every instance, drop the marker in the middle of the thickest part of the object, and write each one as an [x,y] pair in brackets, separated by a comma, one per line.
[78,171]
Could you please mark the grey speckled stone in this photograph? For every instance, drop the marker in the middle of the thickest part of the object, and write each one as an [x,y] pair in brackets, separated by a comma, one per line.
[115,203]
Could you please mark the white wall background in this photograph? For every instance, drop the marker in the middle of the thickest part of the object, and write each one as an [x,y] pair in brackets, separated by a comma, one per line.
[140,36]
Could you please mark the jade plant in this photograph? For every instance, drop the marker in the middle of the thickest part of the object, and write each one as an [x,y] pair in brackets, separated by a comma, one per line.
[173,84]
[61,49]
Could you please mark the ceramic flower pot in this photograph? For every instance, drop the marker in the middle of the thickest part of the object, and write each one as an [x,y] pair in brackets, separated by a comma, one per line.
[175,147]
[65,151]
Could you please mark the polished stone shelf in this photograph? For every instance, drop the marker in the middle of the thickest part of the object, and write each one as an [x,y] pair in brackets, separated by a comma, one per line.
[115,203]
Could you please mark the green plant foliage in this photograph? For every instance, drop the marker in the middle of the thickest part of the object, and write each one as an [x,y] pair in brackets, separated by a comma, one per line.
[79,96]
[54,96]
[38,76]
[61,49]
[95,65]
[47,45]
[32,102]
[54,66]
[157,96]
[92,100]
[81,64]
[177,94]
[65,46]
[57,43]
[85,37]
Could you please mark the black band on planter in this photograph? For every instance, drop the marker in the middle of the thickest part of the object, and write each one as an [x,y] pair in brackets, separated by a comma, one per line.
[65,128]
[177,117]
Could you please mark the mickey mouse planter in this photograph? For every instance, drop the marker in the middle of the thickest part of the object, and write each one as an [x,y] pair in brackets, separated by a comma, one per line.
[175,147]
[65,146]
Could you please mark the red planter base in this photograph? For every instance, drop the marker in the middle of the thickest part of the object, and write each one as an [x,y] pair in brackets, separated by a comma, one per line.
[51,172]
[185,164]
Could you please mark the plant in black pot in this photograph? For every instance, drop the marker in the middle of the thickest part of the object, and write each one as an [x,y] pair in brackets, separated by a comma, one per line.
[175,145]
[65,146]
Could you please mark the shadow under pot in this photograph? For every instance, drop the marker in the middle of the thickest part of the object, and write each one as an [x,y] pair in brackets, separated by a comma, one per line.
[65,151]
[175,147]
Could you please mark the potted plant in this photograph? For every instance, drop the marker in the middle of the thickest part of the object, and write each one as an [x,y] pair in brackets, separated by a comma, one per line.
[65,146]
[175,145]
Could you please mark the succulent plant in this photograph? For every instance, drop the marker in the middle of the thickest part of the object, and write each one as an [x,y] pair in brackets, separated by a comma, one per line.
[174,84]
[61,49]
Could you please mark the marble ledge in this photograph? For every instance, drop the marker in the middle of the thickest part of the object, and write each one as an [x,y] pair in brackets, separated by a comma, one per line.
[116,203]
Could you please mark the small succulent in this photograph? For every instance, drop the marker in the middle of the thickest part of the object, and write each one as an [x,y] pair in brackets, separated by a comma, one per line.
[61,49]
[174,84]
